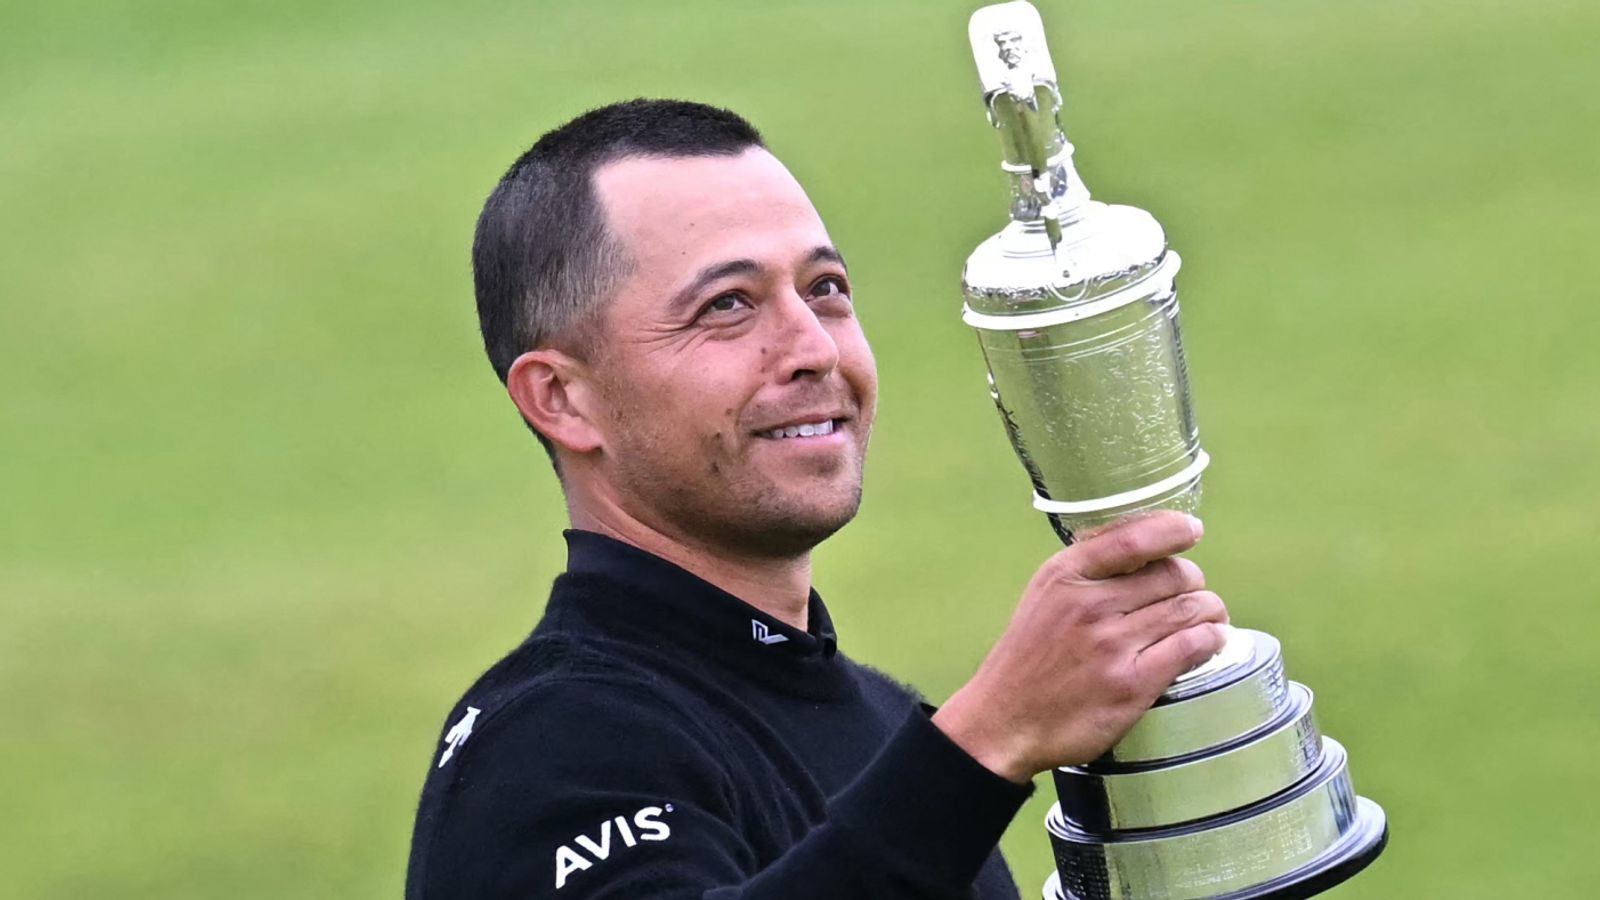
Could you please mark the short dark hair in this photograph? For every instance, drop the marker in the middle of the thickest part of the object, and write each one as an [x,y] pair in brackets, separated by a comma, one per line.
[542,258]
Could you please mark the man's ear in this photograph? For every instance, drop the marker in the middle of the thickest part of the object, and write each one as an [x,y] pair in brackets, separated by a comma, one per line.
[555,393]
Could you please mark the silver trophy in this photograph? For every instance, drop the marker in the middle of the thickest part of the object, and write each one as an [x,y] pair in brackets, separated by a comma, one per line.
[1225,788]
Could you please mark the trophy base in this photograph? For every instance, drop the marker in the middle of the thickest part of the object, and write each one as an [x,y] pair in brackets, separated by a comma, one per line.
[1225,790]
[1365,843]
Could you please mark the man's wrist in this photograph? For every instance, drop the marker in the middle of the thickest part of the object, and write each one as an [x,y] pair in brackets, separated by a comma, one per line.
[994,748]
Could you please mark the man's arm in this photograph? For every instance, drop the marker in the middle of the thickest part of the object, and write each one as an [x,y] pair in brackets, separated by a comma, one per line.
[603,804]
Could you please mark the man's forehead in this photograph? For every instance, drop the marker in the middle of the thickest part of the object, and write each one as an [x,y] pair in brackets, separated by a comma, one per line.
[675,205]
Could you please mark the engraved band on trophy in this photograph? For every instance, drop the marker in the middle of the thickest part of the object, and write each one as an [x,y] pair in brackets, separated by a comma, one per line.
[1225,788]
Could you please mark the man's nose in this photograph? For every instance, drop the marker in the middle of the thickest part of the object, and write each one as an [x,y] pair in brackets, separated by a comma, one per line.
[806,347]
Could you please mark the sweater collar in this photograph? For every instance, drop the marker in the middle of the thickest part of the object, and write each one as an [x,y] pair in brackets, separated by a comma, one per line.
[628,592]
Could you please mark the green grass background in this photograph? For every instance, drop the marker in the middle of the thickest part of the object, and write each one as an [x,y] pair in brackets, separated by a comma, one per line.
[266,511]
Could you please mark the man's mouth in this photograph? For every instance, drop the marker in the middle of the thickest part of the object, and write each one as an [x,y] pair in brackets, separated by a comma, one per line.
[818,428]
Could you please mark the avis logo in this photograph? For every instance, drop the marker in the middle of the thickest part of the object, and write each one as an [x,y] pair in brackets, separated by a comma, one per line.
[647,826]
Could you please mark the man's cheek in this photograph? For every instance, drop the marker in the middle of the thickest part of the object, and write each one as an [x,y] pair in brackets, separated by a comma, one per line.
[718,449]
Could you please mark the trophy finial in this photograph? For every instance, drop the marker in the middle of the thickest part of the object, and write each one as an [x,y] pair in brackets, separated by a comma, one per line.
[1021,93]
[1009,47]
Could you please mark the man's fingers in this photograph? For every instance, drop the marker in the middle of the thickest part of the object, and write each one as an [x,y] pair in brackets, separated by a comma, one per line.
[1154,623]
[1162,662]
[1159,580]
[1127,546]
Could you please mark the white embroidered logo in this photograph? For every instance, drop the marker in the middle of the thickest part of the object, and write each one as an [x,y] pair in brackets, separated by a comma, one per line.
[763,634]
[650,828]
[458,734]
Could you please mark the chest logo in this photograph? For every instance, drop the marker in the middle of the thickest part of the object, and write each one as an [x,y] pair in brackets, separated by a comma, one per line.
[458,734]
[583,852]
[763,634]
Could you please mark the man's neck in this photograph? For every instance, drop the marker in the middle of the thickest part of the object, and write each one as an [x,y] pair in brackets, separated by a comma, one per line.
[781,588]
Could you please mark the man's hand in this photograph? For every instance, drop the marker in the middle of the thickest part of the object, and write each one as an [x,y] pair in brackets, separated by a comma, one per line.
[1103,628]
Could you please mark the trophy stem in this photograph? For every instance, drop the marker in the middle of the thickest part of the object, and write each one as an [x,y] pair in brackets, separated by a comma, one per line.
[1037,156]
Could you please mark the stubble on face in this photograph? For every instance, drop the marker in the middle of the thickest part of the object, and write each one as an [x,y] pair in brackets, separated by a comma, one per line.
[684,402]
[704,488]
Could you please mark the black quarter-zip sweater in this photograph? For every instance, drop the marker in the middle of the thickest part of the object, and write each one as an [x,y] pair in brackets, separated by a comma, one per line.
[656,737]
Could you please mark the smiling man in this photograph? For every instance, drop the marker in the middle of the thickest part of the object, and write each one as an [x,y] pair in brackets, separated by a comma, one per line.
[672,320]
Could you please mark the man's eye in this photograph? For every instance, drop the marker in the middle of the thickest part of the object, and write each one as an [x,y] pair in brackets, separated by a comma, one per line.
[725,303]
[831,286]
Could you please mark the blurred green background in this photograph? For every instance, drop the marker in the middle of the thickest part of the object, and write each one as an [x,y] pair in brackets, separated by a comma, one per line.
[267,512]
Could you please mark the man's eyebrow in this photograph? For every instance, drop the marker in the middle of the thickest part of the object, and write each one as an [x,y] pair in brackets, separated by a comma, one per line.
[711,274]
[826,253]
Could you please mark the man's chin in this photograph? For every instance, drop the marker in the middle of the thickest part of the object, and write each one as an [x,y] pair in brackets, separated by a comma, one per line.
[787,530]
[789,539]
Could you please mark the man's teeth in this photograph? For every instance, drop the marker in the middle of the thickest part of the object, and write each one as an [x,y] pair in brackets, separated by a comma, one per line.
[810,429]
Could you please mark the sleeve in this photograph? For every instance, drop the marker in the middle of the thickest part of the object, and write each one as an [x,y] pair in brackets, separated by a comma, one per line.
[592,799]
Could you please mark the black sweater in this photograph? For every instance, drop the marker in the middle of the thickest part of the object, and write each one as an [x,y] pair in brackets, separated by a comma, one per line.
[656,737]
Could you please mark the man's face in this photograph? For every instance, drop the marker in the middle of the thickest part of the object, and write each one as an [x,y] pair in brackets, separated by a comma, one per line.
[730,339]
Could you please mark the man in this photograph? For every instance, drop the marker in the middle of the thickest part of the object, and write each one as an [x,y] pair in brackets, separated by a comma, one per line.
[671,319]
